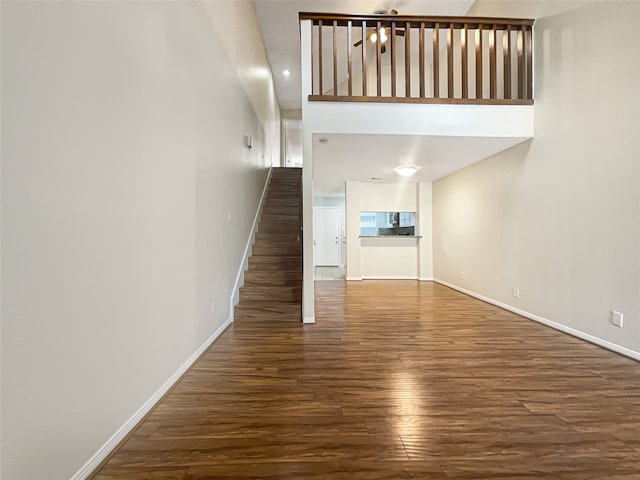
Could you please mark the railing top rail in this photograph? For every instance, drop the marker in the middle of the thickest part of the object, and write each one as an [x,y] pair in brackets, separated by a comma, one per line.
[416,20]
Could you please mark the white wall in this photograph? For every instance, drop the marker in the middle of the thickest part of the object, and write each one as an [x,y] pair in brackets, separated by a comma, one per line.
[122,152]
[388,197]
[424,201]
[392,257]
[389,258]
[559,217]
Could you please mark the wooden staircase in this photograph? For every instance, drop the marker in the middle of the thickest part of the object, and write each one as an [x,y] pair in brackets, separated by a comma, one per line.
[273,283]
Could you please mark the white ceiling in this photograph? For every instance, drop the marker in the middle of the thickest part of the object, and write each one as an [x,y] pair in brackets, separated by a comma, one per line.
[281,31]
[361,157]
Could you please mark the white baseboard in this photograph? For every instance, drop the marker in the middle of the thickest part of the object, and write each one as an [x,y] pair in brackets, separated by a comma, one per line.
[130,424]
[550,323]
[353,279]
[309,320]
[426,279]
[235,297]
[389,277]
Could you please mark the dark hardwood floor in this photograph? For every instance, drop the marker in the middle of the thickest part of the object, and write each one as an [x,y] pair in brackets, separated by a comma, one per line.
[397,379]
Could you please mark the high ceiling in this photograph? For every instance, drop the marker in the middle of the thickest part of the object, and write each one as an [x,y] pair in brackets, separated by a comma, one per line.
[377,154]
[281,31]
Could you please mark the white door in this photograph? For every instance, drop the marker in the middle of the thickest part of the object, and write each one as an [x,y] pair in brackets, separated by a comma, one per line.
[327,235]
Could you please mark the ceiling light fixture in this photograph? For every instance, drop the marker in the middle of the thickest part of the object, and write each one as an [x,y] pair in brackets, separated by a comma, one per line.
[406,170]
[286,73]
[383,36]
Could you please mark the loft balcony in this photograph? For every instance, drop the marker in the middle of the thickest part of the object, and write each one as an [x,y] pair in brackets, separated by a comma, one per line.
[439,92]
[428,76]
[411,59]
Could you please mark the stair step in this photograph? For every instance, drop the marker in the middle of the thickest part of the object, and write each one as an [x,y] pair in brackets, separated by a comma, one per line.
[292,228]
[279,218]
[273,278]
[291,263]
[281,209]
[286,172]
[281,202]
[250,293]
[267,312]
[276,174]
[273,250]
[293,197]
[285,185]
[286,181]
[289,246]
[287,236]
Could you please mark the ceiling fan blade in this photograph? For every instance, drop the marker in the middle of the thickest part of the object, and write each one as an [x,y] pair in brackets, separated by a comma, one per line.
[358,43]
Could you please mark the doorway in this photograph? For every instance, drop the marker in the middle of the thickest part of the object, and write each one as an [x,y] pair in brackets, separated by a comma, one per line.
[326,229]
[292,143]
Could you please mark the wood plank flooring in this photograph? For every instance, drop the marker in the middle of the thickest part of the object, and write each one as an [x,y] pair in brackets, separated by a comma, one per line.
[396,380]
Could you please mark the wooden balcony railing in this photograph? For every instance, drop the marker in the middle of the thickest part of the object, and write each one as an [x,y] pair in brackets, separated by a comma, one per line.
[467,60]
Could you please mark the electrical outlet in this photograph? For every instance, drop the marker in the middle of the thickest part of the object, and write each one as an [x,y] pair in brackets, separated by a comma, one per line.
[213,307]
[617,318]
[229,216]
[462,275]
[516,293]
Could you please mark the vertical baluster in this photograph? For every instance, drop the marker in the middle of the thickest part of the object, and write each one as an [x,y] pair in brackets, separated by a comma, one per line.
[436,60]
[407,59]
[313,67]
[492,63]
[529,54]
[421,54]
[393,59]
[506,52]
[320,56]
[350,82]
[465,62]
[335,58]
[364,58]
[521,72]
[450,61]
[479,62]
[378,60]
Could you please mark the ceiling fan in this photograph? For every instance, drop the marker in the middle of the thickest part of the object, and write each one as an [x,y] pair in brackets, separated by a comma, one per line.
[385,32]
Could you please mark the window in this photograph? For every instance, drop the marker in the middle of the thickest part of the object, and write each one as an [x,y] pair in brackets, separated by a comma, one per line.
[374,224]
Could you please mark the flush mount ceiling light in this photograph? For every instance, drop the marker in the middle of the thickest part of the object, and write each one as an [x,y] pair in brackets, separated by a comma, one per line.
[406,170]
[286,73]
